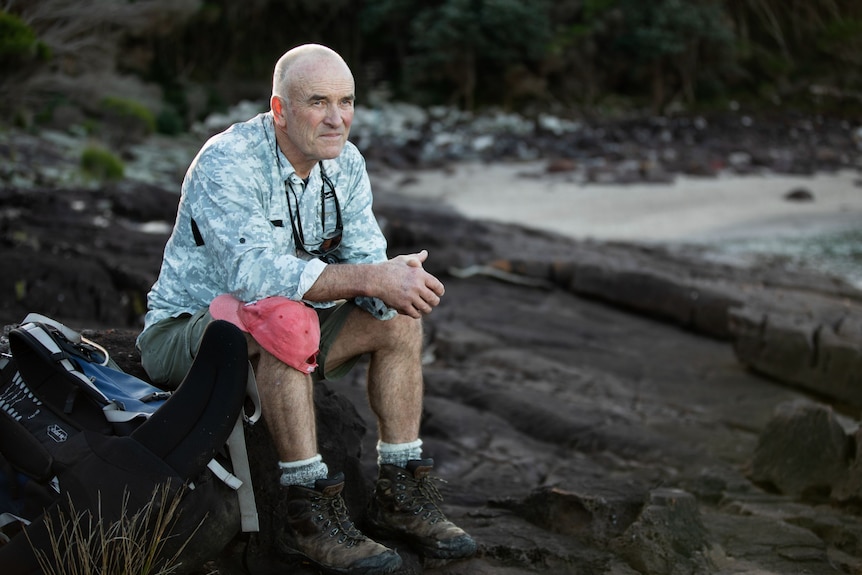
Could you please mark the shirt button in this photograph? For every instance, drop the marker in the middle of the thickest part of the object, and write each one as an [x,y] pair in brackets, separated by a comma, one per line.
[242,240]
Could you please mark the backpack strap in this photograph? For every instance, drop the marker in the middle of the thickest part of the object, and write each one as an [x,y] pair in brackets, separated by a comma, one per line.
[24,451]
[57,354]
[68,332]
[194,424]
[62,358]
[245,492]
[253,394]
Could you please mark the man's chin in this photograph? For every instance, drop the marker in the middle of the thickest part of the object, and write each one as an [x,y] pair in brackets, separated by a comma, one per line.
[331,151]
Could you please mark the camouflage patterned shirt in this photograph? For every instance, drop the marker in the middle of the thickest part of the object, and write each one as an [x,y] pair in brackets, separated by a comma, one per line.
[233,230]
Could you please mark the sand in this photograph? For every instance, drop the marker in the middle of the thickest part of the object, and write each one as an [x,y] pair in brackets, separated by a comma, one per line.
[690,209]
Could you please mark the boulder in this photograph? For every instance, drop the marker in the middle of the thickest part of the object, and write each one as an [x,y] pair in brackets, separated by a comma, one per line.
[668,536]
[804,451]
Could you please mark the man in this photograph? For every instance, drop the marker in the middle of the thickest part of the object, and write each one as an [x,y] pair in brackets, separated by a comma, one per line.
[275,216]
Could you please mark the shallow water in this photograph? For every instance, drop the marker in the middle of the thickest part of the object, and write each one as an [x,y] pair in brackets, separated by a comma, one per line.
[836,253]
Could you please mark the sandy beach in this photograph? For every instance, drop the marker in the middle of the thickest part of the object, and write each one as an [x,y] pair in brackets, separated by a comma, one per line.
[690,209]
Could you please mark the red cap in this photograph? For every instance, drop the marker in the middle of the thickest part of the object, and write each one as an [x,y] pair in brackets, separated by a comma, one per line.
[287,329]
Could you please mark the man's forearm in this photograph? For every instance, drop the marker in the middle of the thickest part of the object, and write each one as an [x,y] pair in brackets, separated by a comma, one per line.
[401,283]
[342,281]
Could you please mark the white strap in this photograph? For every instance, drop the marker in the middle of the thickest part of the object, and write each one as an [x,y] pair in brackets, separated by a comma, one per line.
[239,460]
[70,334]
[254,395]
[114,414]
[226,476]
[7,518]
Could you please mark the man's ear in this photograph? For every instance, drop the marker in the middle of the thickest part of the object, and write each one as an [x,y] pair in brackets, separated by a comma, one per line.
[276,105]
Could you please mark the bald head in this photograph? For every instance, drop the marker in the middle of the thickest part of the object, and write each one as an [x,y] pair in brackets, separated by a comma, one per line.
[300,63]
[312,105]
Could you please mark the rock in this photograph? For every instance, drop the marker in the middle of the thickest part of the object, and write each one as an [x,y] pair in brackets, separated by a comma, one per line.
[668,536]
[850,489]
[140,202]
[656,533]
[597,512]
[799,195]
[560,165]
[815,346]
[803,451]
[81,254]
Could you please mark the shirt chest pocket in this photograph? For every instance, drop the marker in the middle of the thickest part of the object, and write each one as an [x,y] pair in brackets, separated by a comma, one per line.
[279,221]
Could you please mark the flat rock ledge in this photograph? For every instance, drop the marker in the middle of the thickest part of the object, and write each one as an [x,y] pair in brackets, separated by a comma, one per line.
[804,331]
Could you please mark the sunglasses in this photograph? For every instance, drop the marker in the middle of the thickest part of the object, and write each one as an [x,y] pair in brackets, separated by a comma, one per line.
[331,238]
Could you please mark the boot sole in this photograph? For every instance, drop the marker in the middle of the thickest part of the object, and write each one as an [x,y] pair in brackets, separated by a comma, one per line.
[385,563]
[457,548]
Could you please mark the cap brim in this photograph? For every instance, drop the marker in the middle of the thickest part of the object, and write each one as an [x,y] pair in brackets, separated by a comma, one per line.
[226,307]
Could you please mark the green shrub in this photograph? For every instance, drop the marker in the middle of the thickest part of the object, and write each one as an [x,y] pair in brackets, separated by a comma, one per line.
[101,164]
[130,112]
[169,122]
[18,41]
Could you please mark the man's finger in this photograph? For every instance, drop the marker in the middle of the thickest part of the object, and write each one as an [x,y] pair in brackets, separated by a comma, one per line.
[415,260]
[435,286]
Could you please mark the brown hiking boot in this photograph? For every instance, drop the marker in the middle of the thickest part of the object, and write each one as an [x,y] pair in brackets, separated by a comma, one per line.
[405,506]
[325,535]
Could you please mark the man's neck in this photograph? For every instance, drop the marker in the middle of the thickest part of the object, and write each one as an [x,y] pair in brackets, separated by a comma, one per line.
[303,166]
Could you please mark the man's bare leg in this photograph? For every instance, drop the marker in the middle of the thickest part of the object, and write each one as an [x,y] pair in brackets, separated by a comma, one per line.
[315,507]
[287,401]
[403,505]
[395,372]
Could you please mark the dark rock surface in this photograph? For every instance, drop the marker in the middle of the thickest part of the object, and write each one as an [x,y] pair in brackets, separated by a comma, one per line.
[596,408]
[576,435]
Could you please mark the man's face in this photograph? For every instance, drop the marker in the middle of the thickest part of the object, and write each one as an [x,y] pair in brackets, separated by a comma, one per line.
[315,120]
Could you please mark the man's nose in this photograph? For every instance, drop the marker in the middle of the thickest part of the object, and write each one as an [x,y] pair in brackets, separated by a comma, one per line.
[333,115]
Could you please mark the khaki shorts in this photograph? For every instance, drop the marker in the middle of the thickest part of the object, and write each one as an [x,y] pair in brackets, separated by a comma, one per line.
[168,347]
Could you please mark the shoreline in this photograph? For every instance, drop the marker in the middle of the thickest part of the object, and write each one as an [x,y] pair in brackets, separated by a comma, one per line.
[740,219]
[690,209]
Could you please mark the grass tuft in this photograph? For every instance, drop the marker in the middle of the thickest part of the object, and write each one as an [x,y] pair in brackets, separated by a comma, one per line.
[82,544]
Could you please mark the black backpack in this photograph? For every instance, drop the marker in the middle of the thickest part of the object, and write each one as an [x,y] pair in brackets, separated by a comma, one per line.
[80,450]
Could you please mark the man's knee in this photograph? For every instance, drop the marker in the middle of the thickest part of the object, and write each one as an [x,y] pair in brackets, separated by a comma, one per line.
[403,331]
[366,334]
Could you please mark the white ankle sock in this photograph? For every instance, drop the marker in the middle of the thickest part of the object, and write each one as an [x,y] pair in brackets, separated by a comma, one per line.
[398,453]
[304,472]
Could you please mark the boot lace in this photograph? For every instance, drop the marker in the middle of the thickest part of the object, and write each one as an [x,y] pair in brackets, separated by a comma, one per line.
[424,496]
[333,514]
